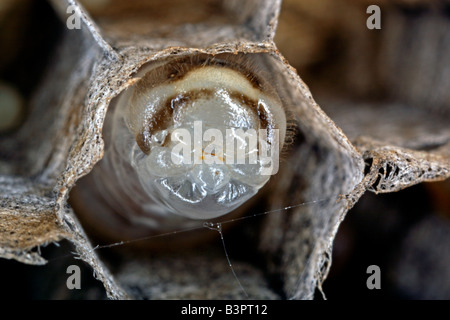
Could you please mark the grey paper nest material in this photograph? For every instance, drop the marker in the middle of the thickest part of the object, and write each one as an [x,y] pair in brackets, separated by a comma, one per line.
[93,65]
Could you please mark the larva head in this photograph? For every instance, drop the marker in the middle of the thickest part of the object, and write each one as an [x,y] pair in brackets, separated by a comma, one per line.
[207,133]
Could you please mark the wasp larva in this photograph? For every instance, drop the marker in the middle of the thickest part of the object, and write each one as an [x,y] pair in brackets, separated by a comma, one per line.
[194,138]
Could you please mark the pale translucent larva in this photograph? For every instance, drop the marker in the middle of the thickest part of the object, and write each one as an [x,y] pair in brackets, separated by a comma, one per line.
[186,104]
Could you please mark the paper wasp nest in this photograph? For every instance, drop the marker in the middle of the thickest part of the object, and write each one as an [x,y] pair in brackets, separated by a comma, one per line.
[207,58]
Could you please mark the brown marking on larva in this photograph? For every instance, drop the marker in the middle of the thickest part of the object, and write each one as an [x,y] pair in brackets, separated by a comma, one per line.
[142,142]
[159,121]
[164,116]
[254,106]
